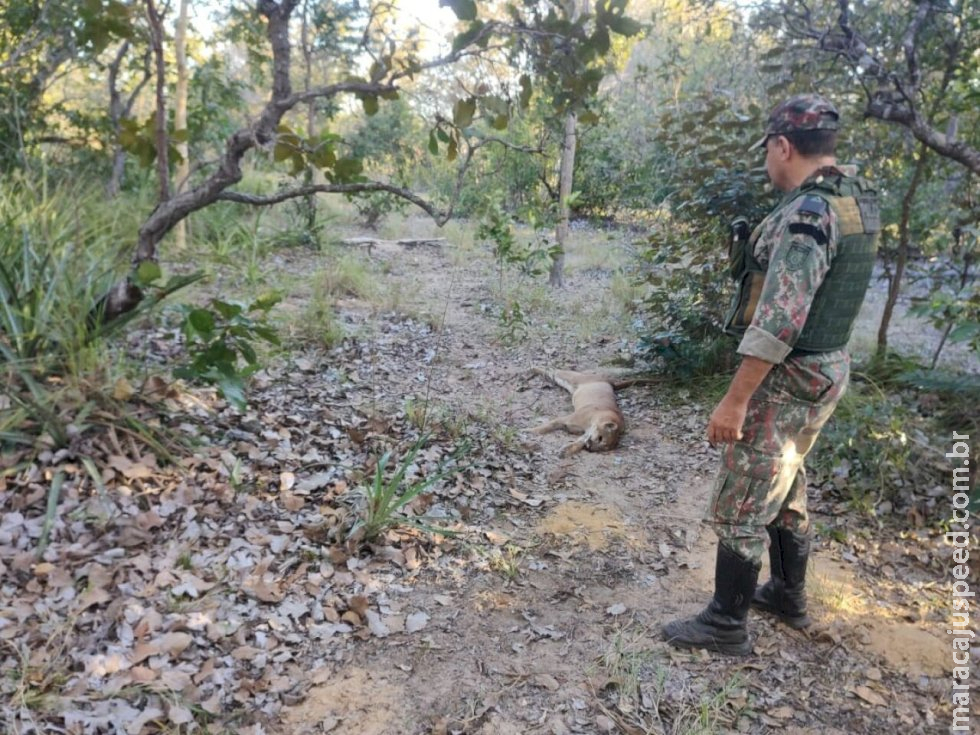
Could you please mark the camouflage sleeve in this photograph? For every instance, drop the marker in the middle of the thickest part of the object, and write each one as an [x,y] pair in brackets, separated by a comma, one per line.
[800,248]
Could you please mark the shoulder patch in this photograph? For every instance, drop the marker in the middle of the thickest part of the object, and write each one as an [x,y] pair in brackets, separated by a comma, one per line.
[796,257]
[802,228]
[813,205]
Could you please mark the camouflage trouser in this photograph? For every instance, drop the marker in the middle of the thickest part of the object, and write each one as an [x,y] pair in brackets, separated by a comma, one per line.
[762,480]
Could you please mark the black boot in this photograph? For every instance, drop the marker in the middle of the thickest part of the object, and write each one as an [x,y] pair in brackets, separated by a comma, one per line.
[784,595]
[721,625]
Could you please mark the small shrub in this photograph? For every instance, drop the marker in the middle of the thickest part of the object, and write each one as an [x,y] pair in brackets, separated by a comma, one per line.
[880,444]
[374,207]
[513,323]
[385,499]
[220,338]
[683,312]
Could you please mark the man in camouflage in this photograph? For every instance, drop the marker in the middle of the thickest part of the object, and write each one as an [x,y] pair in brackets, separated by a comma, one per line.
[801,278]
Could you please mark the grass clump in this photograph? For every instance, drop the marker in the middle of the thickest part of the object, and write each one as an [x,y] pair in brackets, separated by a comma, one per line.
[59,254]
[348,276]
[385,500]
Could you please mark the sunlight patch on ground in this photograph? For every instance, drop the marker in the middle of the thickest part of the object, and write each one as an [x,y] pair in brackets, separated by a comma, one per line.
[357,700]
[904,645]
[584,524]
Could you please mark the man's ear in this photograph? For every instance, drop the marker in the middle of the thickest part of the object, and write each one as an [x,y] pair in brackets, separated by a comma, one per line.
[785,149]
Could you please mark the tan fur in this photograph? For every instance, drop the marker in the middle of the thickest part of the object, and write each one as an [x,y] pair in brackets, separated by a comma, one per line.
[596,416]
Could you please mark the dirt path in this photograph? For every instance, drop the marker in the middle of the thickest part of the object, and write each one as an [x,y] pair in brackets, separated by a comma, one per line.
[549,622]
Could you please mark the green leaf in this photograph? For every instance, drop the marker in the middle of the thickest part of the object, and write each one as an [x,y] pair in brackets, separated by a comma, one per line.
[202,321]
[964,332]
[500,122]
[453,150]
[463,112]
[588,117]
[266,301]
[268,334]
[227,310]
[347,169]
[147,272]
[464,9]
[233,390]
[378,70]
[526,91]
[248,353]
[323,157]
[433,143]
[370,103]
[624,26]
[465,38]
[281,152]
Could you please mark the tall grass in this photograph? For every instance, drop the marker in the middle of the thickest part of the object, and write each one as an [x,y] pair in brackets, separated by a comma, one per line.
[60,250]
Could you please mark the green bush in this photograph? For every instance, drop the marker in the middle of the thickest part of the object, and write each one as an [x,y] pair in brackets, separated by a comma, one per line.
[683,313]
[220,342]
[385,500]
[881,444]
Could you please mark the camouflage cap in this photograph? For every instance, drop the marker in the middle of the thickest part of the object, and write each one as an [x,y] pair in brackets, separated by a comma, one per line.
[802,112]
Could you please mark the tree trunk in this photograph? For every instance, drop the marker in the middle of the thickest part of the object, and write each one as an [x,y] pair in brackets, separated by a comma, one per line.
[162,142]
[904,244]
[116,113]
[180,115]
[114,185]
[566,176]
[119,109]
[309,202]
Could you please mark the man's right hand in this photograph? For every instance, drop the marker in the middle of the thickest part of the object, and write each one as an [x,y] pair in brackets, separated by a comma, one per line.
[725,424]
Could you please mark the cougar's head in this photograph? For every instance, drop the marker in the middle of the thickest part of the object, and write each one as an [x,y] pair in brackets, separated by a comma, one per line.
[602,436]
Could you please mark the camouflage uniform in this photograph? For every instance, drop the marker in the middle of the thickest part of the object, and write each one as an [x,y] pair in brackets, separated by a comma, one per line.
[801,279]
[762,481]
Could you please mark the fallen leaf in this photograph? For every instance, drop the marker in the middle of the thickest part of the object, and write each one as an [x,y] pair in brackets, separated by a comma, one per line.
[547,681]
[359,604]
[266,590]
[123,390]
[179,715]
[870,696]
[377,625]
[782,713]
[416,622]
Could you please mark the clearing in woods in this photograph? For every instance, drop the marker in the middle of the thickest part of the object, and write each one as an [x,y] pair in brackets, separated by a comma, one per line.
[222,592]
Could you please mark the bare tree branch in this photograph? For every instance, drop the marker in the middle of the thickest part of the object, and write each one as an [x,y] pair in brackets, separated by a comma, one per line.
[264,130]
[356,188]
[897,95]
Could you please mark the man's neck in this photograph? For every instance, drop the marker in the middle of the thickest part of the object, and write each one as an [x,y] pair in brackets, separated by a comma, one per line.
[806,167]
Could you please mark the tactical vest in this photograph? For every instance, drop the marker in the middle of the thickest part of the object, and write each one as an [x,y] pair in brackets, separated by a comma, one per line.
[838,300]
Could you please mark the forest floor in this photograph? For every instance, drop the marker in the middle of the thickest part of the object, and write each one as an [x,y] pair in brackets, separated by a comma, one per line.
[220,593]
